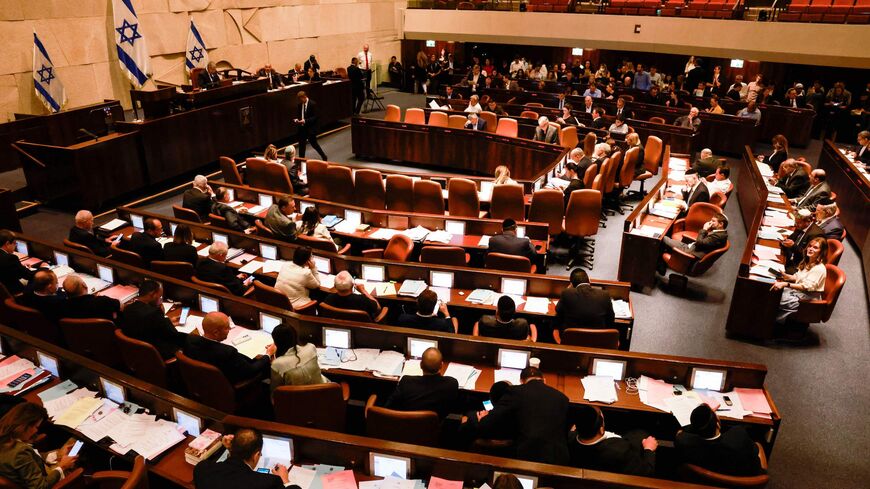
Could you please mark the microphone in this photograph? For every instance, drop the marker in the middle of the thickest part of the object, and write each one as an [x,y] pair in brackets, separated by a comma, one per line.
[89,133]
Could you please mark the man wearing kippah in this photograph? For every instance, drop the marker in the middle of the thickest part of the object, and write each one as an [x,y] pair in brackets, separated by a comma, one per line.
[704,444]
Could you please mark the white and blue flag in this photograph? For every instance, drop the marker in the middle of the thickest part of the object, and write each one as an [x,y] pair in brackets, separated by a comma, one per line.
[196,55]
[130,41]
[48,87]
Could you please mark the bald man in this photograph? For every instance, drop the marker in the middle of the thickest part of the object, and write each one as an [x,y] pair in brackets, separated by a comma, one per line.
[209,349]
[214,269]
[44,296]
[429,392]
[198,197]
[82,305]
[83,233]
[239,469]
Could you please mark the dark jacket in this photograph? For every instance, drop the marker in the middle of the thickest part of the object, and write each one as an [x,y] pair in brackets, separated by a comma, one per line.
[311,116]
[516,329]
[812,196]
[355,75]
[600,123]
[584,306]
[683,121]
[208,80]
[425,393]
[87,238]
[733,453]
[197,201]
[776,159]
[232,474]
[551,136]
[235,221]
[511,244]
[51,306]
[180,252]
[25,468]
[428,323]
[794,184]
[213,271]
[617,455]
[709,241]
[146,246]
[12,271]
[147,323]
[92,306]
[832,228]
[575,184]
[235,366]
[700,194]
[357,302]
[706,166]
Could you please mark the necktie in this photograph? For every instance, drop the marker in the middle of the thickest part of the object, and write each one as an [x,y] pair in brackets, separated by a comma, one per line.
[366,56]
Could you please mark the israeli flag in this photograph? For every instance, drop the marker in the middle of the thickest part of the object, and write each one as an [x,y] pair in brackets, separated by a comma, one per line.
[130,41]
[48,87]
[196,55]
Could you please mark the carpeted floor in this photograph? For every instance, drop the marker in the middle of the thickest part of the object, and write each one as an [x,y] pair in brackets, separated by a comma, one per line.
[822,442]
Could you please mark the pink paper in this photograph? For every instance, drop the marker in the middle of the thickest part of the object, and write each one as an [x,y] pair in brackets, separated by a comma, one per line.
[339,480]
[438,483]
[658,391]
[753,400]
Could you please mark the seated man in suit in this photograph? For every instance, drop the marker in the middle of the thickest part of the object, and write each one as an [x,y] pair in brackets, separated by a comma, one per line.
[504,324]
[280,218]
[198,198]
[826,218]
[545,132]
[711,237]
[429,392]
[81,305]
[594,448]
[582,306]
[690,120]
[795,182]
[214,269]
[427,317]
[805,229]
[238,470]
[818,190]
[706,164]
[534,414]
[144,320]
[509,243]
[275,79]
[344,298]
[209,349]
[145,243]
[12,272]
[862,155]
[44,295]
[475,123]
[235,220]
[704,444]
[598,120]
[83,233]
[209,77]
[695,191]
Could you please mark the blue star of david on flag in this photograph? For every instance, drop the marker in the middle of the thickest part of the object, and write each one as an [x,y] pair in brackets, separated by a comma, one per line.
[45,75]
[196,55]
[52,95]
[132,49]
[123,30]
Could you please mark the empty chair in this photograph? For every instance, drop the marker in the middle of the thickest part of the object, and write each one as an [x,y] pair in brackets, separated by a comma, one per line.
[185,213]
[456,121]
[510,263]
[591,338]
[698,215]
[417,427]
[400,193]
[92,338]
[589,141]
[569,137]
[398,248]
[318,187]
[127,257]
[325,405]
[695,473]
[652,155]
[718,199]
[548,205]
[325,310]
[508,201]
[180,270]
[79,247]
[835,251]
[31,321]
[274,297]
[657,120]
[278,179]
[626,173]
[528,114]
[143,360]
[444,255]
[415,116]
[428,198]
[137,478]
[462,198]
[438,119]
[263,230]
[394,113]
[581,221]
[369,189]
[229,171]
[255,173]
[507,127]
[491,120]
[339,180]
[589,176]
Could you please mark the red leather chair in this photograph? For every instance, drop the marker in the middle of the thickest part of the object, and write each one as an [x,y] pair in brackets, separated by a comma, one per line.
[274,297]
[415,116]
[417,427]
[456,121]
[719,199]
[695,473]
[438,119]
[339,180]
[325,405]
[369,187]
[590,338]
[508,201]
[92,338]
[211,285]
[548,205]
[626,173]
[581,221]
[72,479]
[820,310]
[510,263]
[657,120]
[32,322]
[589,176]
[263,230]
[400,193]
[835,251]
[428,198]
[394,113]
[444,255]
[127,257]
[137,478]
[399,248]
[698,215]
[255,173]
[229,171]
[529,114]
[325,310]
[688,265]
[205,383]
[569,137]
[181,270]
[491,120]
[185,213]
[143,360]
[507,127]
[78,247]
[278,179]
[462,198]
[318,187]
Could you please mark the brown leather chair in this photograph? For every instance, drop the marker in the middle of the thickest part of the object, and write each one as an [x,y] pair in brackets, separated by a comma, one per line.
[321,244]
[255,173]
[529,114]
[820,310]
[698,215]
[548,205]
[510,263]
[596,185]
[325,405]
[610,181]
[507,127]
[835,251]
[275,298]
[657,120]
[399,248]
[185,214]
[93,338]
[581,221]
[456,121]
[589,141]
[444,255]
[218,221]
[31,321]
[127,257]
[194,77]
[175,269]
[71,479]
[534,104]
[626,173]
[318,187]
[491,120]
[652,155]
[369,187]
[394,113]
[78,247]
[591,338]
[417,427]
[415,116]
[589,176]
[137,478]
[205,383]
[462,198]
[688,265]
[508,201]
[229,171]
[278,178]
[718,199]
[428,198]
[325,310]
[399,193]
[438,119]
[263,230]
[211,285]
[695,473]
[340,182]
[569,137]
[143,360]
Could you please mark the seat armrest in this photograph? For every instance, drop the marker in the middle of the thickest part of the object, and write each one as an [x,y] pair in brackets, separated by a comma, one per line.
[374,253]
[73,478]
[680,261]
[170,361]
[382,314]
[679,226]
[371,402]
[344,250]
[247,383]
[249,292]
[345,391]
[307,309]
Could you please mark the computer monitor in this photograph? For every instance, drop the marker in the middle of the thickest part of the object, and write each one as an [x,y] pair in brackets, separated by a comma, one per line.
[61,259]
[220,238]
[373,273]
[441,279]
[303,206]
[106,273]
[706,378]
[323,265]
[527,481]
[137,222]
[609,368]
[48,363]
[336,337]
[455,227]
[513,286]
[539,183]
[276,450]
[486,188]
[268,322]
[353,217]
[113,390]
[21,247]
[208,304]
[521,231]
[191,424]
[383,465]
[416,346]
[268,252]
[264,200]
[517,359]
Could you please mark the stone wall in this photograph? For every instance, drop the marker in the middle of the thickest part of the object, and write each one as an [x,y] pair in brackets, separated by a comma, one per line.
[239,33]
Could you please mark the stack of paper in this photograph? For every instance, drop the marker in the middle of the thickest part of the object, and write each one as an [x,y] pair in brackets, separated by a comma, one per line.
[301,477]
[345,227]
[123,293]
[273,266]
[540,305]
[466,375]
[765,252]
[327,281]
[339,480]
[681,407]
[761,271]
[359,359]
[755,401]
[412,288]
[621,309]
[480,296]
[328,357]
[765,169]
[412,367]
[443,293]
[484,241]
[598,388]
[418,233]
[388,364]
[771,232]
[774,190]
[255,209]
[439,237]
[248,342]
[94,284]
[438,483]
[251,267]
[113,225]
[62,271]
[777,220]
[392,483]
[653,392]
[668,212]
[511,375]
[384,234]
[330,221]
[14,370]
[242,258]
[735,410]
[59,405]
[78,411]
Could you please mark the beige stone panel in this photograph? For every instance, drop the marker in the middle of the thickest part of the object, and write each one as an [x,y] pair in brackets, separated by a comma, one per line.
[211,27]
[80,84]
[233,26]
[276,24]
[150,6]
[228,4]
[247,56]
[111,83]
[11,10]
[64,9]
[18,46]
[308,19]
[383,16]
[188,5]
[80,40]
[8,97]
[27,101]
[252,24]
[343,19]
[284,54]
[169,69]
[166,33]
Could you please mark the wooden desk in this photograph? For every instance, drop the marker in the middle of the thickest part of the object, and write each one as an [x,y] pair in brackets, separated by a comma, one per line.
[235,90]
[8,213]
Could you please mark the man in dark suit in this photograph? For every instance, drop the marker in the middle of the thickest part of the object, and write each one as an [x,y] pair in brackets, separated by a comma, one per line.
[429,392]
[509,243]
[209,78]
[235,219]
[44,295]
[81,305]
[475,123]
[535,414]
[83,234]
[863,152]
[795,182]
[357,86]
[706,163]
[805,229]
[827,220]
[695,191]
[344,298]
[583,306]
[145,243]
[545,132]
[598,120]
[690,121]
[308,125]
[427,316]
[12,272]
[594,448]
[144,320]
[198,197]
[239,469]
[312,63]
[275,80]
[214,269]
[622,110]
[209,349]
[711,237]
[818,190]
[704,444]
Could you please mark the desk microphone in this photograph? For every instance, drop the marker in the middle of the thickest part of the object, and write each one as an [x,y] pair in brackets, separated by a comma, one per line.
[89,133]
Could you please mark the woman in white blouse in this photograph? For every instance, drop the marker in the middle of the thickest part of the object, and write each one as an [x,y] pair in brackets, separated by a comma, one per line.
[311,226]
[808,282]
[297,277]
[474,105]
[294,364]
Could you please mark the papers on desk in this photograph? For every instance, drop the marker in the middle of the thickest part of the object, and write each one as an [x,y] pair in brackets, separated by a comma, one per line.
[484,241]
[773,198]
[755,401]
[599,388]
[301,476]
[14,366]
[466,375]
[163,240]
[443,293]
[556,182]
[345,227]
[653,392]
[327,281]
[78,411]
[781,220]
[772,264]
[146,435]
[256,209]
[331,220]
[418,233]
[382,289]
[122,293]
[480,296]
[773,233]
[251,267]
[328,357]
[248,342]
[773,189]
[439,237]
[192,323]
[511,375]
[682,406]
[113,225]
[384,233]
[61,271]
[359,359]
[412,288]
[55,407]
[647,230]
[760,271]
[273,266]
[666,211]
[94,284]
[203,252]
[764,169]
[540,305]
[388,364]
[621,309]
[339,480]
[390,483]
[438,483]
[57,391]
[242,258]
[765,252]
[412,367]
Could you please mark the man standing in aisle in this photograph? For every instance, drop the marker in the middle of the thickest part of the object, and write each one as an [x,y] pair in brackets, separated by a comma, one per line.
[308,125]
[366,63]
[357,89]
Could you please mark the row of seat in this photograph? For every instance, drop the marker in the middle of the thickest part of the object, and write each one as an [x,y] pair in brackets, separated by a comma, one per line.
[835,12]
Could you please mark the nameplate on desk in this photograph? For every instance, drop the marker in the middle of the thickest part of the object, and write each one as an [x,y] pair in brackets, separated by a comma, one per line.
[48,363]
